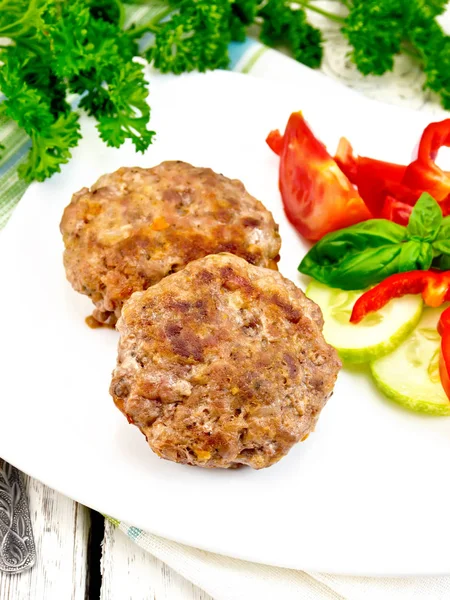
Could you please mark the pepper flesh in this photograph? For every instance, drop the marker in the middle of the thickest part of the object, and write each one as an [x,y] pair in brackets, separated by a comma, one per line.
[396,211]
[317,196]
[388,189]
[433,285]
[423,173]
[375,179]
[444,357]
[435,289]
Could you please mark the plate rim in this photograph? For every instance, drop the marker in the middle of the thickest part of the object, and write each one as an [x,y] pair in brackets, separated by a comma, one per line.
[31,190]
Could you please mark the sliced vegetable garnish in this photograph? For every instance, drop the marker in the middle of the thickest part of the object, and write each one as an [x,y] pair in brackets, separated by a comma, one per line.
[376,335]
[367,253]
[444,358]
[410,374]
[375,179]
[434,286]
[389,189]
[310,178]
[317,196]
[423,174]
[396,250]
[396,211]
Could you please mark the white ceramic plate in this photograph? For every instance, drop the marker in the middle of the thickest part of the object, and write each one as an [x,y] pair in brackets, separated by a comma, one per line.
[368,493]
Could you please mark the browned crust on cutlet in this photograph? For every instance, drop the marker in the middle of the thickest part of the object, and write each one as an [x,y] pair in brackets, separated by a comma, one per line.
[223,364]
[135,226]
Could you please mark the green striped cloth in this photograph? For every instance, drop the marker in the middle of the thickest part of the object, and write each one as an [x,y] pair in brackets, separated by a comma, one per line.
[403,86]
[16,144]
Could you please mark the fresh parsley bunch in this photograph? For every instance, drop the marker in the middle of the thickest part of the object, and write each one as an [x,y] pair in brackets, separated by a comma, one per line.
[53,50]
[57,48]
[195,35]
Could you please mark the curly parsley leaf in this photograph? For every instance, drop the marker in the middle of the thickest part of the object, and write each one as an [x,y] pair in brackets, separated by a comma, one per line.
[80,47]
[51,148]
[60,48]
[18,17]
[197,33]
[243,14]
[196,37]
[375,29]
[432,45]
[428,8]
[283,23]
[46,118]
[101,68]
[126,111]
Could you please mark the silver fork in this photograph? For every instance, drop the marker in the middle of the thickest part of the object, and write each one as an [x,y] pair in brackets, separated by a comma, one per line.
[17,549]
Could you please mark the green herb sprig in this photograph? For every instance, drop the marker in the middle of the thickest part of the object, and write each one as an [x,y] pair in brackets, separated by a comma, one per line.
[195,35]
[366,253]
[55,49]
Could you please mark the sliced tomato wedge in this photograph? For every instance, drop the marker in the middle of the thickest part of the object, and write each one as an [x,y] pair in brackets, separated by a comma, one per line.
[317,196]
[275,141]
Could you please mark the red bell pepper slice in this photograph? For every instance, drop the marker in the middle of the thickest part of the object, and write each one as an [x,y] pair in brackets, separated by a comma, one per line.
[317,196]
[423,173]
[433,285]
[396,210]
[375,180]
[435,289]
[388,188]
[346,159]
[444,358]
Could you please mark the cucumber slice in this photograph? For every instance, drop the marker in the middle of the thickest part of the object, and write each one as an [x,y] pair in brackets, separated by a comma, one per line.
[410,374]
[378,334]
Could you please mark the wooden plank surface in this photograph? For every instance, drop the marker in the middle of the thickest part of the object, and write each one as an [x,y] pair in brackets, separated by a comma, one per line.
[130,573]
[61,532]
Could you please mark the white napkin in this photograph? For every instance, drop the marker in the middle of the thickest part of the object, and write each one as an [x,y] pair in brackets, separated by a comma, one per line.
[226,578]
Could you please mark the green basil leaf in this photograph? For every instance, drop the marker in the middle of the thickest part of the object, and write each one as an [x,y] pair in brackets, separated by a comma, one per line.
[442,246]
[349,257]
[425,219]
[442,242]
[374,231]
[369,234]
[360,269]
[365,254]
[425,258]
[444,229]
[415,255]
[443,262]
